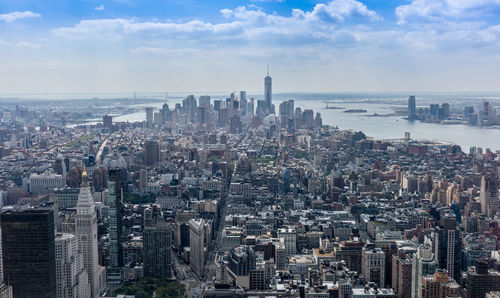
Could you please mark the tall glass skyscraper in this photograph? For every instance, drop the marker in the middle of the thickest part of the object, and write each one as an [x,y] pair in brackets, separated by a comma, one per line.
[115,225]
[29,255]
[268,92]
[412,108]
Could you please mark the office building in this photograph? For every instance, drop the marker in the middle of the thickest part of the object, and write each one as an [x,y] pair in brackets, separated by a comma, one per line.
[65,197]
[289,237]
[204,102]
[439,285]
[423,264]
[445,111]
[46,182]
[149,117]
[488,196]
[151,152]
[5,290]
[86,230]
[72,279]
[235,125]
[261,109]
[28,252]
[157,251]
[189,106]
[389,249]
[402,274]
[166,113]
[268,92]
[448,246]
[412,108]
[224,114]
[197,244]
[107,121]
[217,105]
[143,179]
[115,214]
[243,103]
[308,119]
[480,280]
[280,256]
[251,107]
[257,279]
[351,253]
[202,115]
[286,111]
[434,110]
[373,265]
[241,260]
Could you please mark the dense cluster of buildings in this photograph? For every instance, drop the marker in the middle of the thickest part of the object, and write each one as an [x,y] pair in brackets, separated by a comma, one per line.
[485,115]
[235,198]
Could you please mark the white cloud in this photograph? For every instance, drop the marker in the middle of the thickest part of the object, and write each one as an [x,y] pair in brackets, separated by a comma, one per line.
[100,7]
[20,44]
[249,21]
[165,51]
[16,15]
[115,28]
[340,10]
[439,10]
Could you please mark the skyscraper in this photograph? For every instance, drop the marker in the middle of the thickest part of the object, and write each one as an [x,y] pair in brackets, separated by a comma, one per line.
[107,121]
[149,117]
[189,106]
[72,279]
[268,93]
[165,112]
[286,111]
[479,280]
[251,107]
[243,103]
[412,108]
[115,225]
[373,265]
[423,264]
[289,237]
[439,285]
[151,152]
[401,274]
[204,102]
[28,252]
[5,290]
[488,196]
[197,245]
[86,230]
[448,246]
[157,251]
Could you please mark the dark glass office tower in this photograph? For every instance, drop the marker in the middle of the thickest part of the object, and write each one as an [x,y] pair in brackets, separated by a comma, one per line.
[157,251]
[29,255]
[448,246]
[412,108]
[115,198]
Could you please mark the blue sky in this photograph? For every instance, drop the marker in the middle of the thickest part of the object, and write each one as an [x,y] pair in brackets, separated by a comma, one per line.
[212,46]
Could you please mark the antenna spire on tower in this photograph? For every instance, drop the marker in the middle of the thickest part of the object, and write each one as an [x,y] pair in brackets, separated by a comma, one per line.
[268,70]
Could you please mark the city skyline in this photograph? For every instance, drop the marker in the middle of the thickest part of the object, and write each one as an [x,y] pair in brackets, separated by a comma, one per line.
[212,197]
[250,148]
[326,46]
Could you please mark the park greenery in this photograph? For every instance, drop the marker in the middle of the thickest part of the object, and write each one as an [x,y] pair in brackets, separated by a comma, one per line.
[152,287]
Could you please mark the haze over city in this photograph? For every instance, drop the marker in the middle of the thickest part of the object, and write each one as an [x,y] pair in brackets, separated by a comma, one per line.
[212,46]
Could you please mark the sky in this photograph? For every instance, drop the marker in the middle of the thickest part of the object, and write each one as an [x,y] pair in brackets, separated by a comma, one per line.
[92,46]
